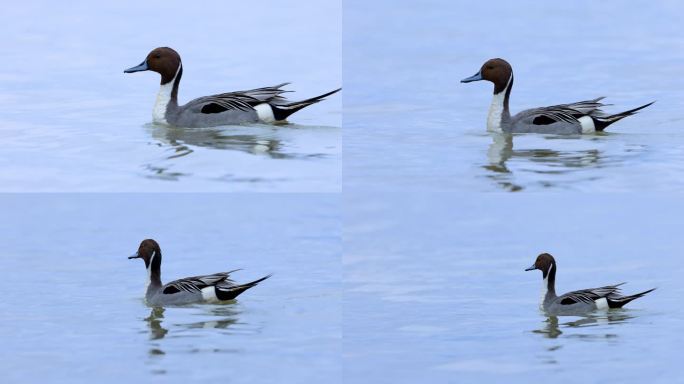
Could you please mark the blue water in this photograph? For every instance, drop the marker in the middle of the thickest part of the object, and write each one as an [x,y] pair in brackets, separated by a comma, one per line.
[72,308]
[409,124]
[412,274]
[435,288]
[71,120]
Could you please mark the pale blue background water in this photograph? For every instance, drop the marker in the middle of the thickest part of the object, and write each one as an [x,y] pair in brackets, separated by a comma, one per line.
[72,308]
[410,125]
[71,120]
[434,288]
[436,292]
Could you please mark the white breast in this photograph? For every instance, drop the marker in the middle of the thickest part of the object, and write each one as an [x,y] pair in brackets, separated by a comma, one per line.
[163,99]
[544,291]
[495,113]
[496,110]
[545,288]
[162,102]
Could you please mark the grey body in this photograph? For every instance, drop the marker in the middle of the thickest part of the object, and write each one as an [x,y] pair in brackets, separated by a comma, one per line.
[522,122]
[584,300]
[560,119]
[155,298]
[188,290]
[190,115]
[222,109]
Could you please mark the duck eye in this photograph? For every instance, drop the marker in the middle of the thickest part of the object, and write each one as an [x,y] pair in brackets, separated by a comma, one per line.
[157,56]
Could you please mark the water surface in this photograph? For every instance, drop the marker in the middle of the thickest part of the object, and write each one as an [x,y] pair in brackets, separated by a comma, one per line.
[435,288]
[410,124]
[71,120]
[72,309]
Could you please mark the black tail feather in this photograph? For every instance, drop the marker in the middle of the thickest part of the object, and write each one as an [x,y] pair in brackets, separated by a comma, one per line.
[619,302]
[282,111]
[233,291]
[602,122]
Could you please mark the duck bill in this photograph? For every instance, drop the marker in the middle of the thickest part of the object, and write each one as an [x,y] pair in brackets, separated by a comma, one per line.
[475,77]
[532,268]
[138,68]
[136,256]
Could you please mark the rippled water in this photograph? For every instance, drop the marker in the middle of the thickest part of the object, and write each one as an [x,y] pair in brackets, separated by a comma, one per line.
[71,120]
[72,308]
[435,288]
[410,124]
[431,287]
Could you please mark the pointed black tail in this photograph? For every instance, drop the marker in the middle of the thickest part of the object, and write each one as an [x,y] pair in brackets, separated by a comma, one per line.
[282,111]
[233,291]
[621,301]
[602,122]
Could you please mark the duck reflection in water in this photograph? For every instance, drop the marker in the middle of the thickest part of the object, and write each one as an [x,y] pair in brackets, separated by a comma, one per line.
[554,162]
[226,315]
[254,140]
[552,328]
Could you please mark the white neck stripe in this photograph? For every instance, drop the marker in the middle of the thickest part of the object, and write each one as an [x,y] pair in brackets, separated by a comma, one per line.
[496,109]
[163,100]
[149,269]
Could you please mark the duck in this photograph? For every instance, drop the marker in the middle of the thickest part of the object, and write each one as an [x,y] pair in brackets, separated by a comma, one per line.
[583,117]
[576,302]
[264,105]
[214,288]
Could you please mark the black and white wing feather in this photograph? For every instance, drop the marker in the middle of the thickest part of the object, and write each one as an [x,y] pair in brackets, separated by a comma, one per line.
[196,283]
[239,100]
[589,296]
[567,113]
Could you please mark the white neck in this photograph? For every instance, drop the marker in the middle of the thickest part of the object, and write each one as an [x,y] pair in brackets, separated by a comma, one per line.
[544,291]
[149,270]
[163,100]
[545,288]
[496,110]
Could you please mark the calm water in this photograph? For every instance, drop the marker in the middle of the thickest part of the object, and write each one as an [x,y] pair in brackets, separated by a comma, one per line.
[410,124]
[370,285]
[435,289]
[71,120]
[72,308]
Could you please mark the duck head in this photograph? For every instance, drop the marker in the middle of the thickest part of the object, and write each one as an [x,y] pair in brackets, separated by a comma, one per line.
[498,71]
[162,60]
[150,252]
[545,263]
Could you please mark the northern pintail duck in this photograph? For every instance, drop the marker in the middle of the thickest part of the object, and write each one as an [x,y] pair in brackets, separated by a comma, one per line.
[576,302]
[213,288]
[255,105]
[576,118]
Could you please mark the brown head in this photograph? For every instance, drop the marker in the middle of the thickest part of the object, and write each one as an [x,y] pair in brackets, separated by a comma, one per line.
[544,263]
[150,252]
[498,71]
[162,60]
